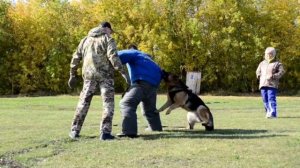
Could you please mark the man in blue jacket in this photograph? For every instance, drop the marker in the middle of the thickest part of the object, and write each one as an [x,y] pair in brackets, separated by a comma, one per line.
[145,76]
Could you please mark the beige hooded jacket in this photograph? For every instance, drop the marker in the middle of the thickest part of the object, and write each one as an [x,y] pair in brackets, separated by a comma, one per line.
[269,73]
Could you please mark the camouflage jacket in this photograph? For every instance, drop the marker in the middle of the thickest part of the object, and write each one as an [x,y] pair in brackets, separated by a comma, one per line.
[99,54]
[269,73]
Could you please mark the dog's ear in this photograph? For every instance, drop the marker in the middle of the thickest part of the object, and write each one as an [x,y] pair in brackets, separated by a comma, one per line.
[164,74]
[174,77]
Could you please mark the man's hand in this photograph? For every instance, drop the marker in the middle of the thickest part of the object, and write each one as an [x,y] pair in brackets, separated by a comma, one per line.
[72,81]
[127,79]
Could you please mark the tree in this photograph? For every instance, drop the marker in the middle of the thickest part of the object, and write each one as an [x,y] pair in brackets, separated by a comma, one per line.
[224,39]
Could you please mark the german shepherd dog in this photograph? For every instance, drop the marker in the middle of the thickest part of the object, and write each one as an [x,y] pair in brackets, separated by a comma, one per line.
[180,96]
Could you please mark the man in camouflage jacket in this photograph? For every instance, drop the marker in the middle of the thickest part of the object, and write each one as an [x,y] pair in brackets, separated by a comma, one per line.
[269,72]
[99,54]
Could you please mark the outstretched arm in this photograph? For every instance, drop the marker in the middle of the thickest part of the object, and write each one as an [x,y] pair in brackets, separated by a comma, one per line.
[113,55]
[114,59]
[76,58]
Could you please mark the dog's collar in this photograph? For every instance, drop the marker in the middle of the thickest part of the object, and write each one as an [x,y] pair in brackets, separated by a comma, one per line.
[176,89]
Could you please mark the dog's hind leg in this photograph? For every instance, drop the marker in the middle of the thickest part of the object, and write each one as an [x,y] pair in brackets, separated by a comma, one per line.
[192,118]
[191,126]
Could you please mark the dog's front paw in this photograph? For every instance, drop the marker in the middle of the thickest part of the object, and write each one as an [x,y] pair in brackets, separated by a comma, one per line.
[168,112]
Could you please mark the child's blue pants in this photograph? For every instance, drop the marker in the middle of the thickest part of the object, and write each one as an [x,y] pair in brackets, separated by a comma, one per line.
[269,99]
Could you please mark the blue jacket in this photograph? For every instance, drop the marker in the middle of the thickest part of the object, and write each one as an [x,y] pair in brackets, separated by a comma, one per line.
[141,67]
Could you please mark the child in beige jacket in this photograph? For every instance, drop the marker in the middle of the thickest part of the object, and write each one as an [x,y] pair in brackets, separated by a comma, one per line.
[269,72]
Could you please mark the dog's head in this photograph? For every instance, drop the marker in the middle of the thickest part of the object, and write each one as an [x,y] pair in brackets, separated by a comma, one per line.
[170,79]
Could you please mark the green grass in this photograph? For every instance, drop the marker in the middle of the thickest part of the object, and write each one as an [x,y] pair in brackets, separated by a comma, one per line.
[34,133]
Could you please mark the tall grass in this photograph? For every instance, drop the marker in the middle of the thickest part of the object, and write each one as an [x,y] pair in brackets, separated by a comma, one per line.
[34,133]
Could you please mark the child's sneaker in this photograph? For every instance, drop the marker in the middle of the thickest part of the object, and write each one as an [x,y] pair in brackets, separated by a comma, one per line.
[271,115]
[268,115]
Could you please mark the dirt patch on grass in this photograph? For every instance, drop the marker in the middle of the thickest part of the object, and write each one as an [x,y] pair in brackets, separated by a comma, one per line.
[6,162]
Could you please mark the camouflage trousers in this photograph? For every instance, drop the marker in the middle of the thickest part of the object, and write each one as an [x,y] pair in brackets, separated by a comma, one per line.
[86,95]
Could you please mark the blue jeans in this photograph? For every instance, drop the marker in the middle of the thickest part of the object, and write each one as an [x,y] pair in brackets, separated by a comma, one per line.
[144,93]
[269,99]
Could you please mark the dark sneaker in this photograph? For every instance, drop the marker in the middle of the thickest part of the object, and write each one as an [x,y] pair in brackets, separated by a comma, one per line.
[74,135]
[122,135]
[106,136]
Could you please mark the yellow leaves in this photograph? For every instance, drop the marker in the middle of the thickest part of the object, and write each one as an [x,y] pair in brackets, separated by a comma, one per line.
[229,29]
[129,31]
[171,46]
[214,34]
[202,34]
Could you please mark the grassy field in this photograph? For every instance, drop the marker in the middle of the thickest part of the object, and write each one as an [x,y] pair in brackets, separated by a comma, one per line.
[34,133]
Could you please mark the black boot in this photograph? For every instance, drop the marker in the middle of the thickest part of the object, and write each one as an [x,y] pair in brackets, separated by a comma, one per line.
[106,136]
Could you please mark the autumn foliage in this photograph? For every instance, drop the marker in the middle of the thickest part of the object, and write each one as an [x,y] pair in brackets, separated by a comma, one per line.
[224,39]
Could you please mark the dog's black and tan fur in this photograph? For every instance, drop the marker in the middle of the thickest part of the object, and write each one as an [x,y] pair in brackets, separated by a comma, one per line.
[180,96]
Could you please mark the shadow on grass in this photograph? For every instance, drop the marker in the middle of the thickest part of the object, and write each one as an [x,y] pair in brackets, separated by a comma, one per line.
[89,137]
[216,102]
[287,117]
[216,134]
